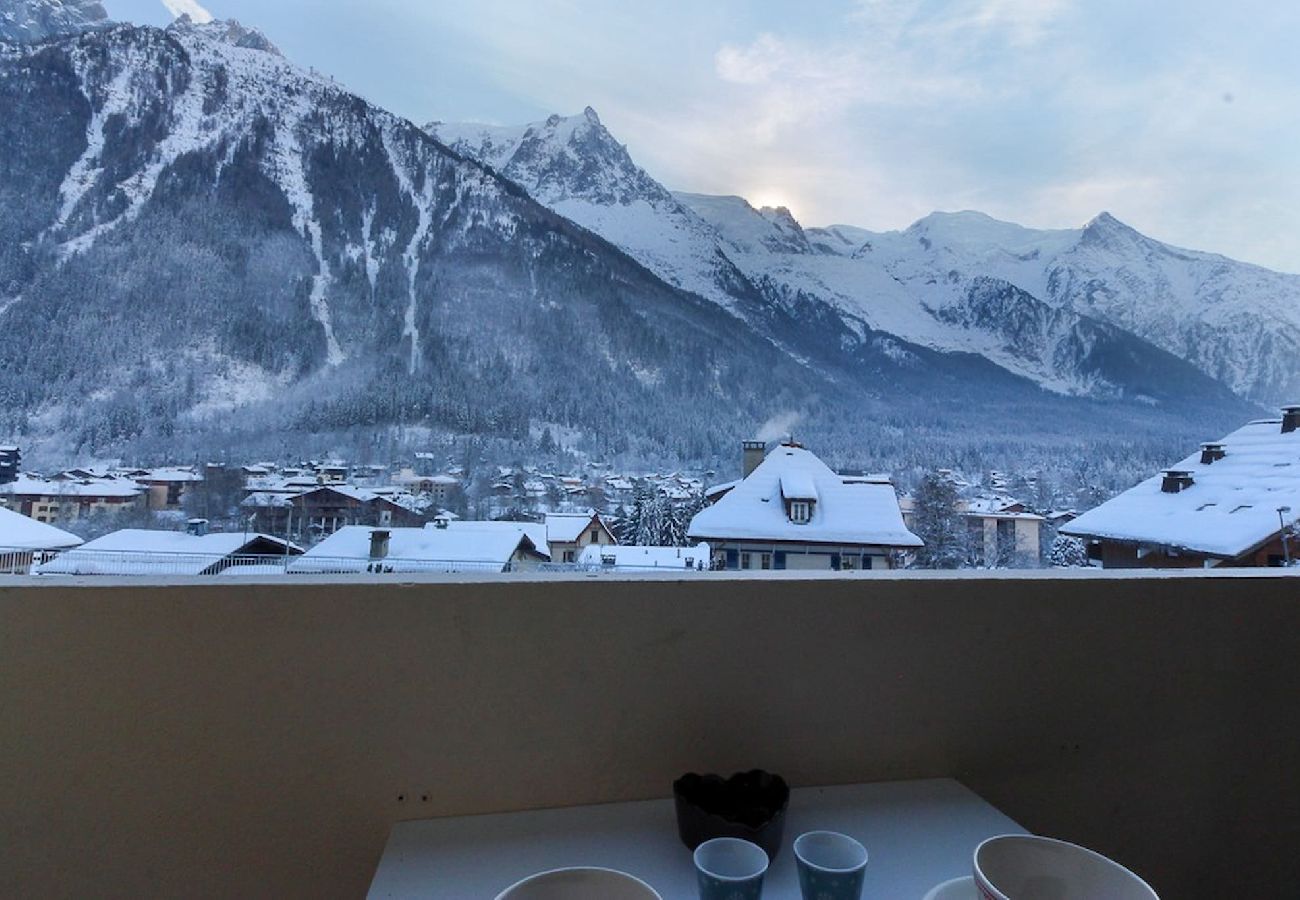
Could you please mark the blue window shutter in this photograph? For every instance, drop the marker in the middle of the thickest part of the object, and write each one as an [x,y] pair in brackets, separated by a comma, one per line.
[835,561]
[733,559]
[778,559]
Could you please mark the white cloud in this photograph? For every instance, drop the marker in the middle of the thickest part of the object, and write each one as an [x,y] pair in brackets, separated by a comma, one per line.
[189,8]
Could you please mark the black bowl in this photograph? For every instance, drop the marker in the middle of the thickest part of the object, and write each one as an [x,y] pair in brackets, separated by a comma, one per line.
[748,805]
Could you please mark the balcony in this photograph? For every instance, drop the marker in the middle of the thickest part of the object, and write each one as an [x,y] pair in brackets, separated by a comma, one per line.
[214,737]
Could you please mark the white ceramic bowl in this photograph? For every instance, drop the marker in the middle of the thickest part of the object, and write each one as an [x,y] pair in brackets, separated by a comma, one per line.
[1028,867]
[957,889]
[580,884]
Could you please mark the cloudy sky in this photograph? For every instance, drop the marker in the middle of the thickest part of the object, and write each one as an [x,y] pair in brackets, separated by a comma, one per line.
[1178,116]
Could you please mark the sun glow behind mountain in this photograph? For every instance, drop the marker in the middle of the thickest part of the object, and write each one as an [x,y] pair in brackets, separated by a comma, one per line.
[773,197]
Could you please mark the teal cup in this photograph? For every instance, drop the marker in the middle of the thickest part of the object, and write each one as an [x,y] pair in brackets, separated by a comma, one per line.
[730,869]
[832,866]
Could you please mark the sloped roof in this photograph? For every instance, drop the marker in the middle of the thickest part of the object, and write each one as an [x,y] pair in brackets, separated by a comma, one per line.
[535,531]
[566,528]
[414,550]
[26,486]
[170,474]
[847,511]
[1230,508]
[142,551]
[19,532]
[266,500]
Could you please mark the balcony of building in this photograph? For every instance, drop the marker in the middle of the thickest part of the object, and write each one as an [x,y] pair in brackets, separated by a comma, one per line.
[228,737]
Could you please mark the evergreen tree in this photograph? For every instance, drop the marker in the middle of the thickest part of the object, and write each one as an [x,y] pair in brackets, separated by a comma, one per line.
[937,522]
[1068,552]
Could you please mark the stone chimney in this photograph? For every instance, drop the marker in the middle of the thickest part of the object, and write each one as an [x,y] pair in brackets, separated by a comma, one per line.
[1212,453]
[752,453]
[1176,480]
[379,544]
[1290,419]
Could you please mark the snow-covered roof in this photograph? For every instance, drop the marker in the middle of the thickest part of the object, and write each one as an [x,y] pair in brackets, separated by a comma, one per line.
[535,531]
[797,484]
[847,511]
[718,489]
[1231,506]
[141,551]
[266,500]
[170,474]
[566,528]
[19,532]
[997,508]
[415,550]
[628,557]
[26,486]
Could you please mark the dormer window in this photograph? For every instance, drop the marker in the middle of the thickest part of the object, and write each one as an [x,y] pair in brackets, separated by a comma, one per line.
[800,512]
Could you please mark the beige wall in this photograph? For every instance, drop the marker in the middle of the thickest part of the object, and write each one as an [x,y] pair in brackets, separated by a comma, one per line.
[243,740]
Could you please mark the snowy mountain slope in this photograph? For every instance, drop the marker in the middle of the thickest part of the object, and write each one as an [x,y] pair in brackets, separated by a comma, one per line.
[1237,322]
[198,236]
[986,316]
[760,264]
[575,166]
[36,20]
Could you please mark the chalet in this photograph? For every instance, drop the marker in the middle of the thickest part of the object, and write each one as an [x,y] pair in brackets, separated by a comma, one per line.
[631,558]
[138,551]
[69,499]
[1235,502]
[319,512]
[791,511]
[360,549]
[568,534]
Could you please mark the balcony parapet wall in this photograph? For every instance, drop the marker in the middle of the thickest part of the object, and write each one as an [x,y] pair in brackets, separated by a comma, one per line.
[193,738]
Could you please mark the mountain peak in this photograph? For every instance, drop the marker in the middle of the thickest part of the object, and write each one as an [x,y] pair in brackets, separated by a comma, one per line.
[1104,219]
[1106,230]
[36,20]
[226,31]
[558,159]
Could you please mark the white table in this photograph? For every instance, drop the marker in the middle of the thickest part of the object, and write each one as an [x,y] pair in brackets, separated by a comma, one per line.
[917,834]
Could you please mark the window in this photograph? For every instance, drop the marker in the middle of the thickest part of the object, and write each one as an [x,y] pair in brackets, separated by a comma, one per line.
[569,555]
[765,561]
[595,535]
[800,511]
[744,561]
[848,562]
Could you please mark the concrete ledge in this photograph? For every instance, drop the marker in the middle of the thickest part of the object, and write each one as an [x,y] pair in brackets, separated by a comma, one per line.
[259,739]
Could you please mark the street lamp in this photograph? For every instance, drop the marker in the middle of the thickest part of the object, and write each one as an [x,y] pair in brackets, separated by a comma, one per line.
[1286,550]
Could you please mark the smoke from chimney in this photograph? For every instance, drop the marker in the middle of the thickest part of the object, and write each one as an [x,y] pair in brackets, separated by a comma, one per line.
[778,427]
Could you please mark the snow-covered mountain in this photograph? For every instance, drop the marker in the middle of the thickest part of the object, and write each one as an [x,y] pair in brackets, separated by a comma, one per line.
[761,265]
[577,168]
[204,248]
[35,20]
[197,237]
[1237,322]
[1066,309]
